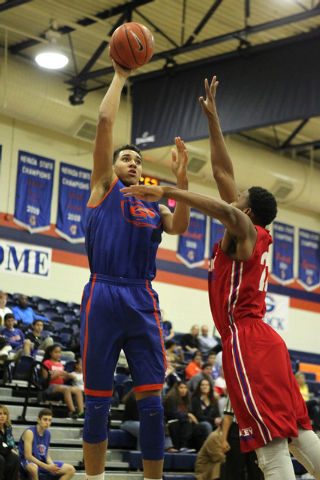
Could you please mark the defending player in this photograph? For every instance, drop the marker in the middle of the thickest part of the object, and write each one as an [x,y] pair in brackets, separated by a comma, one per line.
[119,307]
[262,389]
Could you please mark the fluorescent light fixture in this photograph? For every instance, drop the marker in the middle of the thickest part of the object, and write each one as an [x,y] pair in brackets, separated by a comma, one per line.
[51,56]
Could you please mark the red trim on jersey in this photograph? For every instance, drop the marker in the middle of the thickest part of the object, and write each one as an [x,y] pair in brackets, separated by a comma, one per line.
[94,206]
[146,388]
[159,324]
[86,334]
[98,393]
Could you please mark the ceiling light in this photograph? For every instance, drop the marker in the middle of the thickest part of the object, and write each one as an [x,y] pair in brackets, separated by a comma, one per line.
[51,56]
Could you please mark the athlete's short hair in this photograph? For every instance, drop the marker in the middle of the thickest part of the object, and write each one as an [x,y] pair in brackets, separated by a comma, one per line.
[125,147]
[45,412]
[263,205]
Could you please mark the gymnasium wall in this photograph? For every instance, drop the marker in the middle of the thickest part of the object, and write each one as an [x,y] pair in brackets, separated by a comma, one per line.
[182,292]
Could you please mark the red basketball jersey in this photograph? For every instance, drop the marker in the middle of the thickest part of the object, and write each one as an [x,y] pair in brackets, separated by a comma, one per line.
[237,289]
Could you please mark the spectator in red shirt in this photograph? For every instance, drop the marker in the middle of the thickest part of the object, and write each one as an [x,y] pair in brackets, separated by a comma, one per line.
[195,366]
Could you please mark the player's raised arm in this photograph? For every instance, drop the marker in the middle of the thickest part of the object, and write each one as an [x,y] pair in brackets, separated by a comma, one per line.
[102,173]
[222,167]
[177,223]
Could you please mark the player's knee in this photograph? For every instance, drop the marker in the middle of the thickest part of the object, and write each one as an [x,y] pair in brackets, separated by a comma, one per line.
[96,419]
[70,470]
[32,468]
[151,434]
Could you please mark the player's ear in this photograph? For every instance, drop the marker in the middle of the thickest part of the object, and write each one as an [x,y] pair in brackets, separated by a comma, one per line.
[247,211]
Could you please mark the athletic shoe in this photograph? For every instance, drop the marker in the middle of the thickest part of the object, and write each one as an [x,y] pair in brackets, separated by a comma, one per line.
[187,450]
[81,416]
[72,415]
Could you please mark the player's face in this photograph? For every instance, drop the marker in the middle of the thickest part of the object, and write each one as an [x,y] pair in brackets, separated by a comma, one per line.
[128,167]
[242,201]
[45,422]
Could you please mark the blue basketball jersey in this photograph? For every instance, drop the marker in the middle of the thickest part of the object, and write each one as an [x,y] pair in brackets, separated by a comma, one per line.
[123,235]
[40,445]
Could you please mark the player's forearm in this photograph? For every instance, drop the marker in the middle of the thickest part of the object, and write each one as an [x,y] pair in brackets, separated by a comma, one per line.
[181,215]
[110,104]
[33,459]
[220,159]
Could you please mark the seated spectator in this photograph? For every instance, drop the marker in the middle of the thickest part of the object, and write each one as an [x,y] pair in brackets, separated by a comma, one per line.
[3,308]
[190,340]
[312,403]
[171,346]
[215,369]
[195,366]
[58,377]
[184,428]
[168,332]
[209,459]
[238,465]
[38,344]
[24,314]
[131,421]
[205,374]
[206,341]
[15,338]
[78,374]
[35,454]
[220,391]
[204,406]
[171,376]
[9,458]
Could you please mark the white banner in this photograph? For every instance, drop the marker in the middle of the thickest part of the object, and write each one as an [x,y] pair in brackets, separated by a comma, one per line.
[277,314]
[23,259]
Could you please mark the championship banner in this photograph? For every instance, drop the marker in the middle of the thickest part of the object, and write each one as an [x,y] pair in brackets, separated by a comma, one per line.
[283,248]
[216,233]
[33,192]
[23,259]
[277,314]
[74,193]
[309,259]
[191,246]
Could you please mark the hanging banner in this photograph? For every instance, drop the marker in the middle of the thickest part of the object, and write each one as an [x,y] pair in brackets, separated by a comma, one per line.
[277,313]
[216,233]
[33,192]
[191,246]
[74,193]
[23,259]
[283,248]
[309,259]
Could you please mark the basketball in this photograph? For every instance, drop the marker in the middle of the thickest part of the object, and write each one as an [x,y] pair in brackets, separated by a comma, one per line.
[132,45]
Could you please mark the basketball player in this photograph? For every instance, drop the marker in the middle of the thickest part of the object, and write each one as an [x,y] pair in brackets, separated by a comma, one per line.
[262,389]
[120,309]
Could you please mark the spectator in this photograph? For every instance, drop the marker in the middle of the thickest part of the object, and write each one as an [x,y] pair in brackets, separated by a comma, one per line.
[24,314]
[35,454]
[206,341]
[38,343]
[168,332]
[15,338]
[237,463]
[78,380]
[184,428]
[195,366]
[312,404]
[171,346]
[215,369]
[190,340]
[171,376]
[205,374]
[204,406]
[3,308]
[58,377]
[210,457]
[9,458]
[131,421]
[220,391]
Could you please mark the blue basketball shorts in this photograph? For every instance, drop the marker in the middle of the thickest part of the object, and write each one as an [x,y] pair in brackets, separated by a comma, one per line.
[24,463]
[119,313]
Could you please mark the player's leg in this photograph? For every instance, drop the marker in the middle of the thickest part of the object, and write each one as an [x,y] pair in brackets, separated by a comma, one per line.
[66,471]
[32,470]
[274,460]
[306,449]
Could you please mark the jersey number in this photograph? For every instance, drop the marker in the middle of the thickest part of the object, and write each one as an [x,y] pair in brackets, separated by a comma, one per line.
[263,284]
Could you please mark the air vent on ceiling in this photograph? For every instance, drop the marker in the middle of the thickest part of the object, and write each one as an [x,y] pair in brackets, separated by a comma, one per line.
[195,164]
[86,130]
[281,189]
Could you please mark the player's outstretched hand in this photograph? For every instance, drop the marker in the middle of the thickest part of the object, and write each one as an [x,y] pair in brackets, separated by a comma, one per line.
[149,193]
[179,160]
[209,104]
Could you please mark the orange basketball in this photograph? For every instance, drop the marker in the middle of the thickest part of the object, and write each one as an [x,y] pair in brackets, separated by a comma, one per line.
[132,45]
